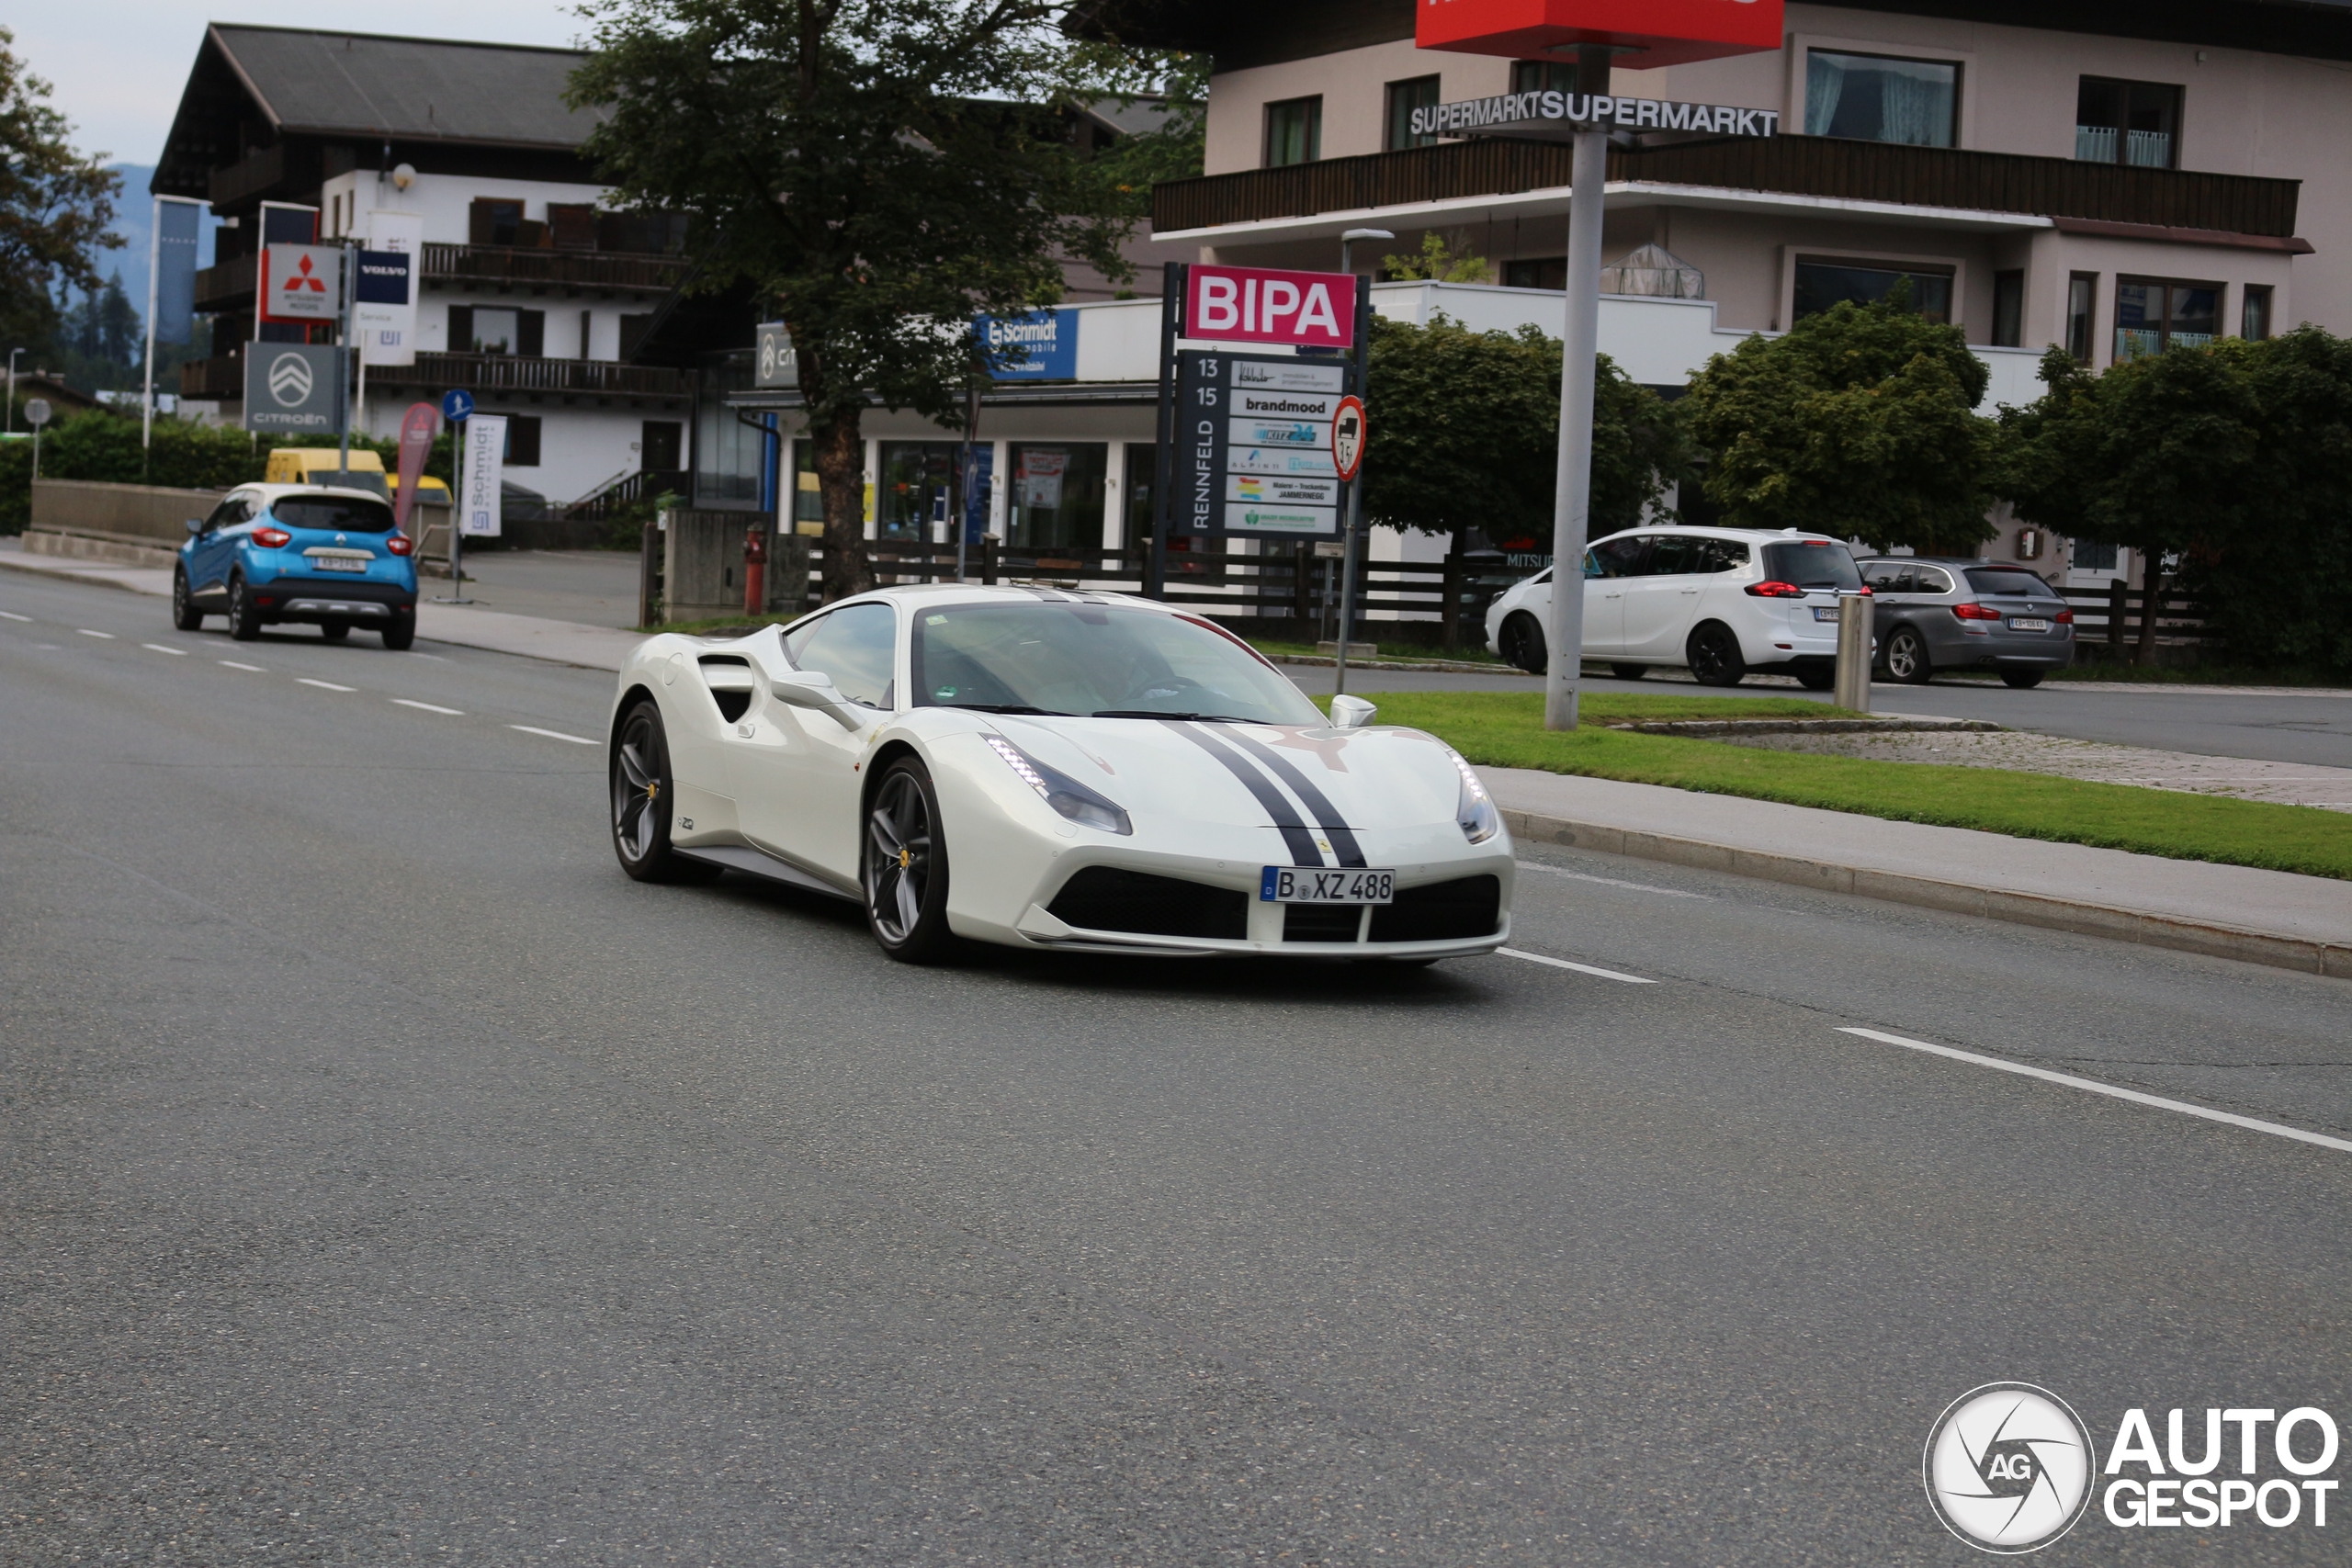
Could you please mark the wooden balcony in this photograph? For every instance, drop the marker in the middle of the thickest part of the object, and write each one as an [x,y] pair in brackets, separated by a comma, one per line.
[509,373]
[222,376]
[229,285]
[255,173]
[1793,166]
[504,266]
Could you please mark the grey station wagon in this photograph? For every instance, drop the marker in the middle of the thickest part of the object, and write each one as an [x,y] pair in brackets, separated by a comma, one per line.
[1937,614]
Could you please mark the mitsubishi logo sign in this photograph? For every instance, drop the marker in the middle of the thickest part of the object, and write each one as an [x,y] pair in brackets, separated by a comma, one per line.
[290,379]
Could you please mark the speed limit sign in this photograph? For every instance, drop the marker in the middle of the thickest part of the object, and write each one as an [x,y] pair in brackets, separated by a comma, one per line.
[1348,436]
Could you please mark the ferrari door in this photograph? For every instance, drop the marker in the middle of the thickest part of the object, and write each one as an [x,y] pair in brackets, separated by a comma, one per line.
[798,782]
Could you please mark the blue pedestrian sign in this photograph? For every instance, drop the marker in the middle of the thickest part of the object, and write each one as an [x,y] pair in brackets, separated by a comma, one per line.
[456,404]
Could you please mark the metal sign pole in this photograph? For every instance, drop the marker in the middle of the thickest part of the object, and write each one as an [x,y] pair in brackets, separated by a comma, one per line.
[457,514]
[154,255]
[343,368]
[1572,507]
[1355,496]
[1172,307]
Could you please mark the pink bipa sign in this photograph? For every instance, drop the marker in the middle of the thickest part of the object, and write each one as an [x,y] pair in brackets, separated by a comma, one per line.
[1253,304]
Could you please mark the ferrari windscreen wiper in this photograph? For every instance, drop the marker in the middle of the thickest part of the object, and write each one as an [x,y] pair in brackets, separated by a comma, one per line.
[1162,713]
[1006,707]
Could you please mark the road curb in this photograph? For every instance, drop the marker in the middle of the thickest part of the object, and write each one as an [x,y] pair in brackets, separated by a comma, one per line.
[2079,917]
[66,574]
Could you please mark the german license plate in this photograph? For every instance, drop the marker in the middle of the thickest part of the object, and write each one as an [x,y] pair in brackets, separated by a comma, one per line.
[2029,624]
[1317,884]
[1826,611]
[340,563]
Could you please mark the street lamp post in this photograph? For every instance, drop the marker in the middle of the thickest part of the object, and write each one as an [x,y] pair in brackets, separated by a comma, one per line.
[1354,511]
[1573,506]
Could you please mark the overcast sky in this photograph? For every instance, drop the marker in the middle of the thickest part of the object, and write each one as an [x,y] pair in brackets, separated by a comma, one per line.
[119,65]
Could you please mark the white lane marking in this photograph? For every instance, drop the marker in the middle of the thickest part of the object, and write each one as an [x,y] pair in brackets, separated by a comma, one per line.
[1580,968]
[2094,1085]
[553,733]
[323,686]
[428,708]
[159,647]
[434,657]
[1610,881]
[11,615]
[88,632]
[254,668]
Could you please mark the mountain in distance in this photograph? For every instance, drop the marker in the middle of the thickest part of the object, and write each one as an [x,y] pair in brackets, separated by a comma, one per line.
[134,219]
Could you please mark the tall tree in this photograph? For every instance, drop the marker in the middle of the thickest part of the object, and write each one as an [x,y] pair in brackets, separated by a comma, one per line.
[879,171]
[55,205]
[1466,433]
[1859,422]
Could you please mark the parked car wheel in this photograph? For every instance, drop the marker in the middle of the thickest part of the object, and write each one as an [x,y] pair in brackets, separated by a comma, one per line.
[1629,671]
[335,631]
[642,786]
[244,617]
[2022,680]
[184,614]
[1521,643]
[399,632]
[1714,655]
[904,866]
[1907,658]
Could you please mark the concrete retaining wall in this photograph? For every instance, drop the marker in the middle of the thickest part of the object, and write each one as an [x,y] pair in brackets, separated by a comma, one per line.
[136,512]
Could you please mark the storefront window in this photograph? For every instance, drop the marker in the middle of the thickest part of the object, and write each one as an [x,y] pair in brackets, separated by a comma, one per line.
[808,501]
[917,480]
[1143,476]
[1055,500]
[727,451]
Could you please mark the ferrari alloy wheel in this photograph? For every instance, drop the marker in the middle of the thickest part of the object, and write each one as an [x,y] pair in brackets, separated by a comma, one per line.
[1521,641]
[905,866]
[1907,658]
[1714,656]
[244,619]
[184,614]
[642,796]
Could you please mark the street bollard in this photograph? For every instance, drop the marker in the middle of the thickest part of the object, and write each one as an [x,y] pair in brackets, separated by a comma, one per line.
[756,570]
[1856,615]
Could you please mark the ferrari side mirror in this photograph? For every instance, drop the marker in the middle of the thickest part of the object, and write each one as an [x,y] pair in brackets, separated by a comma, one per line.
[1351,713]
[815,688]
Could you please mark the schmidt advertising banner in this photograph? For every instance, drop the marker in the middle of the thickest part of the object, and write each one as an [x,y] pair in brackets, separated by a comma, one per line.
[290,389]
[1039,346]
[481,474]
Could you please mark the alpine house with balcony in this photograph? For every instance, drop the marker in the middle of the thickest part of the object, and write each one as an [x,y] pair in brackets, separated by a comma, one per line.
[530,292]
[2112,180]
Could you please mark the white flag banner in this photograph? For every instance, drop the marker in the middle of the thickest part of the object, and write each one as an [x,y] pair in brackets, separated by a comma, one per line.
[383,326]
[480,477]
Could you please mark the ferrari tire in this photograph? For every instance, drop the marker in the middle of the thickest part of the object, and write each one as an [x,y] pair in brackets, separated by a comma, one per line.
[185,616]
[1521,642]
[903,865]
[244,616]
[1714,655]
[642,788]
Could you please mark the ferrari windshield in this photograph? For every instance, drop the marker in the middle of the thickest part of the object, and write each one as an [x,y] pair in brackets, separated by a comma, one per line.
[1094,661]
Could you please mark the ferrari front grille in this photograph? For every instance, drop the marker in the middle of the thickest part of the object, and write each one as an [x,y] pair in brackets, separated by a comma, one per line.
[1438,912]
[1105,899]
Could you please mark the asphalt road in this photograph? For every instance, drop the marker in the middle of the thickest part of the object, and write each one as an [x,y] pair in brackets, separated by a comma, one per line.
[389,1179]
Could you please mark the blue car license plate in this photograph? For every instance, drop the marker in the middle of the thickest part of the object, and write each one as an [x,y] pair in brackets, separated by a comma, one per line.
[1318,884]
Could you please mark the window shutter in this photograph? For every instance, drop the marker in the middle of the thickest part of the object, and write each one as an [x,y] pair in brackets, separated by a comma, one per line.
[522,441]
[482,221]
[531,331]
[461,329]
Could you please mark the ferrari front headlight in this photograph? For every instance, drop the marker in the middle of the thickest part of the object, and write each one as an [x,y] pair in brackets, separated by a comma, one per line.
[1473,812]
[1087,807]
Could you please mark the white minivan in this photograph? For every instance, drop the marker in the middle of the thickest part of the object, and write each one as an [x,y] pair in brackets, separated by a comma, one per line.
[1725,602]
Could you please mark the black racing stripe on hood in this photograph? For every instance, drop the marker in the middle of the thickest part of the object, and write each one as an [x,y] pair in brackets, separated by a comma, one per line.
[1295,836]
[1343,838]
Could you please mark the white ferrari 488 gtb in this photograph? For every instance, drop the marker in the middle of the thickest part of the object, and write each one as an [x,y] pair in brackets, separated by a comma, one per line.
[1051,770]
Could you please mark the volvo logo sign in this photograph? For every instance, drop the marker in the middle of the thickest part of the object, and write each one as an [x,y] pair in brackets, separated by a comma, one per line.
[289,380]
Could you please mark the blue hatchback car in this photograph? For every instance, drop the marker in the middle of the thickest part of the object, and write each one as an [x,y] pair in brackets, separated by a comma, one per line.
[307,553]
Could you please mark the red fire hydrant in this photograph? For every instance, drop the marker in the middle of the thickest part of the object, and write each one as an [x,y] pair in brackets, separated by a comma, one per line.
[756,570]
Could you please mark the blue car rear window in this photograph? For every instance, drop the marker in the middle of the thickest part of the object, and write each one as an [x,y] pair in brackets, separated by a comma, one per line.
[344,515]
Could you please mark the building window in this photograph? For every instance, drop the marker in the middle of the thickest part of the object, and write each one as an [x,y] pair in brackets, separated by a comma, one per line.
[918,478]
[1057,499]
[1293,132]
[494,221]
[2082,302]
[1537,271]
[728,456]
[2127,122]
[1821,284]
[2253,317]
[1404,97]
[2151,316]
[2094,558]
[1873,97]
[522,440]
[1543,75]
[2009,309]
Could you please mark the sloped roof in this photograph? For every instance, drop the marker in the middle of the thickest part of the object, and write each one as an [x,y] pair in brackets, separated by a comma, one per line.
[364,83]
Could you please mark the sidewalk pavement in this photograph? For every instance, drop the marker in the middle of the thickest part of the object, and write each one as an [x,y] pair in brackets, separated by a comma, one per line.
[2264,916]
[562,642]
[2232,911]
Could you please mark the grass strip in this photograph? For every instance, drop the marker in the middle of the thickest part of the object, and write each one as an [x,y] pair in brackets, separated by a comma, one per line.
[1505,729]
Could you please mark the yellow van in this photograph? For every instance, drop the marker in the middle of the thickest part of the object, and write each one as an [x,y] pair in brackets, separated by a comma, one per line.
[312,465]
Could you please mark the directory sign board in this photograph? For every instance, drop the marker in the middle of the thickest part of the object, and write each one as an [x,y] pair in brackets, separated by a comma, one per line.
[1253,444]
[1660,33]
[1256,304]
[1039,346]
